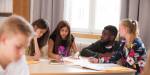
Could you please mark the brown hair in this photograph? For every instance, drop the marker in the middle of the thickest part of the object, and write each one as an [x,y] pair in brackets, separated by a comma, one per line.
[42,41]
[56,37]
[16,24]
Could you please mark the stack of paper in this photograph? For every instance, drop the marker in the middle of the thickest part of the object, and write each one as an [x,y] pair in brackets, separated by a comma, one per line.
[83,62]
[99,67]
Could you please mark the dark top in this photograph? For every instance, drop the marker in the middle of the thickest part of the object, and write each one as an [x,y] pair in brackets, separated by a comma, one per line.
[98,48]
[62,47]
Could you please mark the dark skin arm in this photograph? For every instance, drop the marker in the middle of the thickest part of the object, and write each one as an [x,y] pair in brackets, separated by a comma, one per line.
[91,50]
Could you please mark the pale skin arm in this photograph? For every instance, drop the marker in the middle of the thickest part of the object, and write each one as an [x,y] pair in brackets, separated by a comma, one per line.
[74,47]
[51,55]
[75,51]
[37,53]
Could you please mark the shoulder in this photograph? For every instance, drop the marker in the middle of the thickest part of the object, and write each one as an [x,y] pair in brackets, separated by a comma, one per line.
[98,42]
[138,46]
[138,42]
[20,66]
[117,43]
[72,37]
[50,42]
[53,36]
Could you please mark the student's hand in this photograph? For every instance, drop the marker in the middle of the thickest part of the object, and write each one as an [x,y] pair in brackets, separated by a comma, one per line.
[93,60]
[36,57]
[57,58]
[35,37]
[76,55]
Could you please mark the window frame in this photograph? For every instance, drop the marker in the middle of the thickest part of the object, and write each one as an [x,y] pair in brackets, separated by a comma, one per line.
[91,25]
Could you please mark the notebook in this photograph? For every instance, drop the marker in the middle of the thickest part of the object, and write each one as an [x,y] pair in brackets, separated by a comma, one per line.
[99,67]
[83,62]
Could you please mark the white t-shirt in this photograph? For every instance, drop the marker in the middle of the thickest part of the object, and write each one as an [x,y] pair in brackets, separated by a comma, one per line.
[17,68]
[1,71]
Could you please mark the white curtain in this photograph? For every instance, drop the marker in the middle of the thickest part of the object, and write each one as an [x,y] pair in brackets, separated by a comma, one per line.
[51,10]
[130,9]
[144,21]
[138,10]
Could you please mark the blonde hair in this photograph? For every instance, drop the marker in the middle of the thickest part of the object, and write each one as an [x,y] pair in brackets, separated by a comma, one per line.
[132,26]
[16,24]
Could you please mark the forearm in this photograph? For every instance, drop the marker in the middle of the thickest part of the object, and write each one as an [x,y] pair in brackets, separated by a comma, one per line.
[89,53]
[37,49]
[52,55]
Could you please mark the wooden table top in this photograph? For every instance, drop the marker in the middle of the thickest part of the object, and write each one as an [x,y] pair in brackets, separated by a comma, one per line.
[44,67]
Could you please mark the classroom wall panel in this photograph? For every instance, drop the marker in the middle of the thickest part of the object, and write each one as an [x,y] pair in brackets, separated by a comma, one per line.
[22,8]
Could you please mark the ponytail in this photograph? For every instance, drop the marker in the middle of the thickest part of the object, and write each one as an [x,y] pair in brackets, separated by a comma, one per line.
[132,26]
[135,25]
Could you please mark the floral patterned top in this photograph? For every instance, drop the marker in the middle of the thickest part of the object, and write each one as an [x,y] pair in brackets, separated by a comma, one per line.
[132,56]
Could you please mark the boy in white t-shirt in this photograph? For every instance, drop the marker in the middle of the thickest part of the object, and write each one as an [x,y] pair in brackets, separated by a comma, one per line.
[19,67]
[15,35]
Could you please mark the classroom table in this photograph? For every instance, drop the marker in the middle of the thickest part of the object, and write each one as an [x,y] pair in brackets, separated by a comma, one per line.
[45,67]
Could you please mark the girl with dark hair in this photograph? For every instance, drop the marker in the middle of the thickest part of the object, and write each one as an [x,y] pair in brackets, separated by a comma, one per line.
[61,42]
[40,39]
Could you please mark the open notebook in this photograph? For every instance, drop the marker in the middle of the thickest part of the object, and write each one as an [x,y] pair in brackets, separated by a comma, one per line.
[83,62]
[99,67]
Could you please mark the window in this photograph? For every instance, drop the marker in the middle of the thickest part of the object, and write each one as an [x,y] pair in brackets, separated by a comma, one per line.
[78,14]
[5,8]
[91,16]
